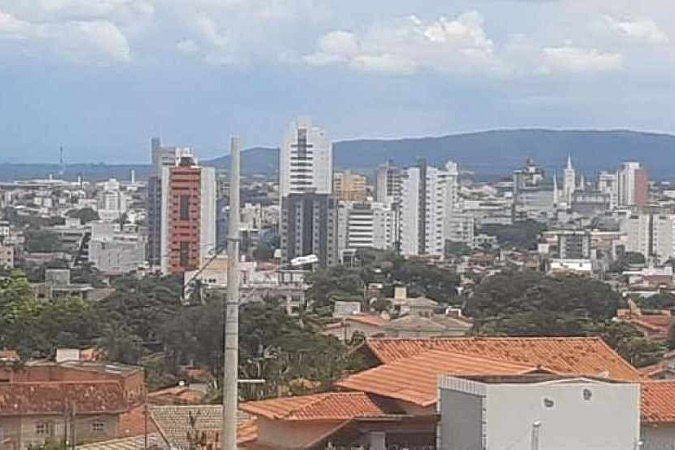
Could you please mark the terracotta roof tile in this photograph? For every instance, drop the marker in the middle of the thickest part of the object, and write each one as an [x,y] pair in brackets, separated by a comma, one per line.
[247,431]
[578,356]
[98,397]
[415,379]
[658,402]
[132,423]
[333,406]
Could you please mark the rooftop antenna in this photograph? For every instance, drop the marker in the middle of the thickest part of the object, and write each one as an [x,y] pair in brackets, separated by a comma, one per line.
[62,163]
[231,359]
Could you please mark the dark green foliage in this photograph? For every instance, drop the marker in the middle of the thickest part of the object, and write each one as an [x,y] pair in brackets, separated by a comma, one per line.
[662,300]
[519,234]
[42,241]
[631,344]
[37,328]
[527,303]
[625,261]
[85,215]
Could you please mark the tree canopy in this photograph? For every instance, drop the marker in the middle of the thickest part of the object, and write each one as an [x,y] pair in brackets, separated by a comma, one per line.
[527,303]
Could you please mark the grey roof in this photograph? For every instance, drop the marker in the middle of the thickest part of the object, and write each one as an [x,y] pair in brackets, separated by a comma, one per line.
[173,422]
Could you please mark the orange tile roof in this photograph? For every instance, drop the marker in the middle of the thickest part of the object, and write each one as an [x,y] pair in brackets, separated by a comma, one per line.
[333,406]
[589,356]
[53,397]
[132,423]
[415,379]
[247,431]
[658,402]
[657,323]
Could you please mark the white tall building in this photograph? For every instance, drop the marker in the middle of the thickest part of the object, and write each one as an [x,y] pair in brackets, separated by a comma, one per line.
[651,235]
[663,237]
[365,225]
[306,160]
[111,201]
[429,208]
[569,182]
[637,229]
[608,183]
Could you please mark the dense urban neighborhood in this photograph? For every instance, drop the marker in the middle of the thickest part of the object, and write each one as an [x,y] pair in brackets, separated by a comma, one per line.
[396,307]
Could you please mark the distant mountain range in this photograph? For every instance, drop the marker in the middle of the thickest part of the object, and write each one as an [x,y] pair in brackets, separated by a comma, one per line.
[488,153]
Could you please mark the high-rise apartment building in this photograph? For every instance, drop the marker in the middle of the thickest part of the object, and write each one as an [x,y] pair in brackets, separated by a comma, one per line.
[161,157]
[429,208]
[633,185]
[651,234]
[308,226]
[388,184]
[608,183]
[365,225]
[308,220]
[349,186]
[637,229]
[188,225]
[306,160]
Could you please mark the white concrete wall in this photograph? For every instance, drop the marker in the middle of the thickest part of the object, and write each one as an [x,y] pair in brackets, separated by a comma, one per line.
[207,229]
[609,420]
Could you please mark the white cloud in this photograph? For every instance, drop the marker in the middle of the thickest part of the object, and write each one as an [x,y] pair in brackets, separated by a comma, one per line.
[60,11]
[410,44]
[241,32]
[639,30]
[571,59]
[86,42]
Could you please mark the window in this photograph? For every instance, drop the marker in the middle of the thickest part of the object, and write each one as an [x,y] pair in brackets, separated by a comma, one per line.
[184,207]
[98,427]
[41,428]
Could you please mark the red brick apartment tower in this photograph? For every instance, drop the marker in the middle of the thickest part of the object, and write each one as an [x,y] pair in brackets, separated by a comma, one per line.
[641,188]
[183,216]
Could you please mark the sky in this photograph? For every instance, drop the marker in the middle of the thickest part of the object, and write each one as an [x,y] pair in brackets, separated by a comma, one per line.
[101,77]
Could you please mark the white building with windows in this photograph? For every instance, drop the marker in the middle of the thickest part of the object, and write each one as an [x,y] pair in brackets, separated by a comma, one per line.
[430,208]
[365,225]
[306,160]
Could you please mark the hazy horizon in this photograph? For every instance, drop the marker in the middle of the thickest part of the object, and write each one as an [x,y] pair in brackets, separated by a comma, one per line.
[211,154]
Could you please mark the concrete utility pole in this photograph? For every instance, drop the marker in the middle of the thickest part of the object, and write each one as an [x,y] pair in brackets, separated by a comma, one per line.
[230,372]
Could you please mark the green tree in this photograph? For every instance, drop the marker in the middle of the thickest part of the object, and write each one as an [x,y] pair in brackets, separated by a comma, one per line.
[522,234]
[42,241]
[662,300]
[529,303]
[85,215]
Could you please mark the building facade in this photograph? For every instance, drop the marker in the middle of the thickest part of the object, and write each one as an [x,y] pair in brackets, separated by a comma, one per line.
[309,227]
[306,160]
[365,225]
[161,157]
[188,232]
[429,208]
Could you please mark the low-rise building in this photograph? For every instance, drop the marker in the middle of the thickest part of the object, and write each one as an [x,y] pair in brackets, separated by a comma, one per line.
[538,411]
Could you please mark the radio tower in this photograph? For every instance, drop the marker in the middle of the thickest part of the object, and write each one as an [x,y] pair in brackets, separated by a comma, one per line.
[62,163]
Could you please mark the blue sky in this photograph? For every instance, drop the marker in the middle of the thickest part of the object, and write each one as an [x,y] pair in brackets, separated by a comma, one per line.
[100,77]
